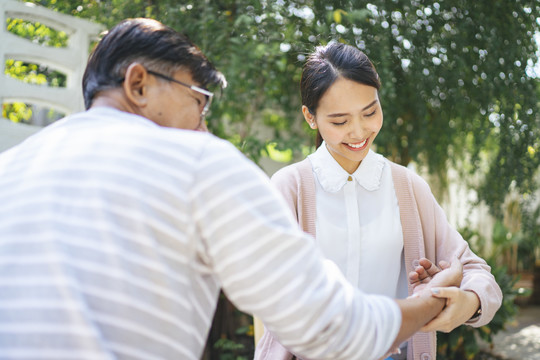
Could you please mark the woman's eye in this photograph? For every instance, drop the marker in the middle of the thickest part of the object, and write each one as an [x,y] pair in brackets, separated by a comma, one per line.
[339,123]
[371,113]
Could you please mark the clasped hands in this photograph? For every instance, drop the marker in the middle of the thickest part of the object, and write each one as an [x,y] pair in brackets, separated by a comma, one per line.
[443,282]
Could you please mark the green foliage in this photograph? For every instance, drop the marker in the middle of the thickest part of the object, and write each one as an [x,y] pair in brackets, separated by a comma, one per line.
[456,83]
[277,155]
[232,350]
[529,240]
[518,246]
[37,32]
[32,73]
[231,335]
[229,350]
[43,35]
[16,112]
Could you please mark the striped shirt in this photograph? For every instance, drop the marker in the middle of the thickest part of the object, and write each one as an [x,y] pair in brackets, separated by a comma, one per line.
[116,235]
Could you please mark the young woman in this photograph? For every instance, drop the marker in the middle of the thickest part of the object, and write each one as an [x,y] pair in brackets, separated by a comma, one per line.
[368,213]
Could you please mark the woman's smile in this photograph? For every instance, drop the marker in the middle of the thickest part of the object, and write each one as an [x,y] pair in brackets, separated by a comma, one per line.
[358,146]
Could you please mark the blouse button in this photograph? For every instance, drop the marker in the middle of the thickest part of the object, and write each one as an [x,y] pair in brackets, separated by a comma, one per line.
[425,356]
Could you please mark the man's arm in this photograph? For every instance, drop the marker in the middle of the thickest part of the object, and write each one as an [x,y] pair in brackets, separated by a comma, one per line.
[268,267]
[415,313]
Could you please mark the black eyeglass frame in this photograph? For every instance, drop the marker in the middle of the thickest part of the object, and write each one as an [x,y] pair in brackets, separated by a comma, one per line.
[209,95]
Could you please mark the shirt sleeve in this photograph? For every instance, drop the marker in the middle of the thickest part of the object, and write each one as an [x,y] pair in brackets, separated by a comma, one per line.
[268,267]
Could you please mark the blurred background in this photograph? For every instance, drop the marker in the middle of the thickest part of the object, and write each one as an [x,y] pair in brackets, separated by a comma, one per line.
[460,95]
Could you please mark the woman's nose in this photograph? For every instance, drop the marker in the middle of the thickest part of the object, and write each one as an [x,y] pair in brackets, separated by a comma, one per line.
[357,128]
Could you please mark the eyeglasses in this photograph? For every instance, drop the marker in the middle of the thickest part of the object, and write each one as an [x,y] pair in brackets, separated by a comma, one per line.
[208,95]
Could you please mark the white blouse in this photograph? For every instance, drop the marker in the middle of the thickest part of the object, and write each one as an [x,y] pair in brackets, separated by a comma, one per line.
[358,222]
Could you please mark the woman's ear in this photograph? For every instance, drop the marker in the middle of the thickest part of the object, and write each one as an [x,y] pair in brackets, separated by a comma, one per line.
[309,117]
[136,85]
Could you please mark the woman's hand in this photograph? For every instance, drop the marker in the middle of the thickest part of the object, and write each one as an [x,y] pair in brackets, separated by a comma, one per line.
[461,305]
[424,272]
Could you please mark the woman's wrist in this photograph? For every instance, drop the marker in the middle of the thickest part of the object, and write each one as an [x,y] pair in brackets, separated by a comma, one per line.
[477,314]
[475,304]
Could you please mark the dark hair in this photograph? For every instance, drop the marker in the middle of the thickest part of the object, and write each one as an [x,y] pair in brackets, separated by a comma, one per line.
[155,46]
[328,63]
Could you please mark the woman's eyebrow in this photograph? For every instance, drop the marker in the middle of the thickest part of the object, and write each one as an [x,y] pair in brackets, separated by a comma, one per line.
[370,104]
[334,115]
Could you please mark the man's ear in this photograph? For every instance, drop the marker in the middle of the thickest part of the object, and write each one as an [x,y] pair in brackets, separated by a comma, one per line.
[136,85]
[309,117]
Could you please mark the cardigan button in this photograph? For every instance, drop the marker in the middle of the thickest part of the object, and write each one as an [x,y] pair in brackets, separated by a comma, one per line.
[425,356]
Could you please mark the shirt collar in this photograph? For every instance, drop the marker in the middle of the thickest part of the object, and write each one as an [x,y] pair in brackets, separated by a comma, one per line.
[105,112]
[333,177]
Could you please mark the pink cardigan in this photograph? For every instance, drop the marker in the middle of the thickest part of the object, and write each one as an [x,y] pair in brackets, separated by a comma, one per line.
[426,233]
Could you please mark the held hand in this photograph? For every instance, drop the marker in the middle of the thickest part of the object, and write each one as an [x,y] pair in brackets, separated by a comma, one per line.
[424,273]
[461,305]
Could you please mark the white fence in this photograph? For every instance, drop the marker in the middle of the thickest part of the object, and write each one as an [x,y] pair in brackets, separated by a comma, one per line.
[70,60]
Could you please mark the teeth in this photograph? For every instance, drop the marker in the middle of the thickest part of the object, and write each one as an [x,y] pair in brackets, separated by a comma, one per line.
[357,146]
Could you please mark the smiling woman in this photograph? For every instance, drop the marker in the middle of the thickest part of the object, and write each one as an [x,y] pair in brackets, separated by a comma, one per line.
[349,118]
[368,213]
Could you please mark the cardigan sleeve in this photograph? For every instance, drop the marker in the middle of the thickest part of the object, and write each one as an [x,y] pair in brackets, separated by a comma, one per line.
[442,241]
[296,183]
[284,181]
